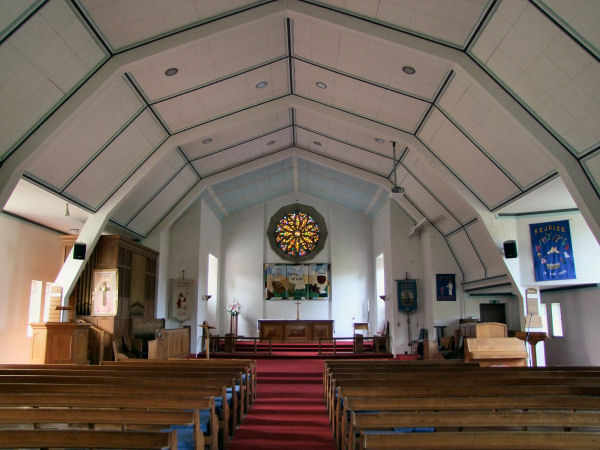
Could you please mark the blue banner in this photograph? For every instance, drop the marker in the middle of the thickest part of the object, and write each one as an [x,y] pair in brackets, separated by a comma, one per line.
[552,251]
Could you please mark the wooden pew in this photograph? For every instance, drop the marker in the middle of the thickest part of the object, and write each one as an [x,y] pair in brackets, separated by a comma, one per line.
[482,440]
[109,389]
[481,421]
[187,377]
[156,401]
[88,439]
[483,403]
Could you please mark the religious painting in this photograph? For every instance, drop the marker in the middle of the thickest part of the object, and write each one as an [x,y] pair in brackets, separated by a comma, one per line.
[181,300]
[407,295]
[105,296]
[445,287]
[297,281]
[552,251]
[318,281]
[297,275]
[276,284]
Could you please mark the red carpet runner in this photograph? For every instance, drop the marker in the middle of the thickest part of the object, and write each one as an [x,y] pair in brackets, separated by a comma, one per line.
[289,412]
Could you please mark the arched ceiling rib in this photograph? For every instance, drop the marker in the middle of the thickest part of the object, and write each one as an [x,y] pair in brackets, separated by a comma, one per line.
[469,145]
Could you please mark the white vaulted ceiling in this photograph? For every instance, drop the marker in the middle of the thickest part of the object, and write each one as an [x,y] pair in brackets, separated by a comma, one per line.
[274,97]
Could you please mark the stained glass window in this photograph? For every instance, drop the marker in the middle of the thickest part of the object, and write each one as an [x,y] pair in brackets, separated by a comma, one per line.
[297,232]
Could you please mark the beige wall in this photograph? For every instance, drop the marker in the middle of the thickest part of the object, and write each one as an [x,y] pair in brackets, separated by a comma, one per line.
[27,253]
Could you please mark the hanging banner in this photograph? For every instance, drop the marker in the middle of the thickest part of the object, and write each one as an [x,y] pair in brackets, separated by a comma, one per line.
[407,295]
[552,251]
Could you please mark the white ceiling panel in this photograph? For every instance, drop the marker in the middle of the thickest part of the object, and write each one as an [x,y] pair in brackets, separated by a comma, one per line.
[218,56]
[466,161]
[429,206]
[124,23]
[11,12]
[497,132]
[154,180]
[546,69]
[40,63]
[487,250]
[117,161]
[164,201]
[76,142]
[242,153]
[467,258]
[580,17]
[445,21]
[420,169]
[343,152]
[346,132]
[222,98]
[368,58]
[358,97]
[243,131]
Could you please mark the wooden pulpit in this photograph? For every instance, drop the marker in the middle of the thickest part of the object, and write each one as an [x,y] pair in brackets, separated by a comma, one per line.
[496,352]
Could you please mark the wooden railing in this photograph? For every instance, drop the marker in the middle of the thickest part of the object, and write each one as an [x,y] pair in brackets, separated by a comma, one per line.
[358,342]
[230,341]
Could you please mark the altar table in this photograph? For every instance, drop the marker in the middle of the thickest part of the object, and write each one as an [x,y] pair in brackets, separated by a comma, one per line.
[295,330]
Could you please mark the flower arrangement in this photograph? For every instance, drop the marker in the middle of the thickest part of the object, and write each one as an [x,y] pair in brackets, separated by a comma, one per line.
[234,308]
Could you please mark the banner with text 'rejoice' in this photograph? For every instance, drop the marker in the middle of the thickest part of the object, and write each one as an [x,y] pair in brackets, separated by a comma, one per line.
[552,251]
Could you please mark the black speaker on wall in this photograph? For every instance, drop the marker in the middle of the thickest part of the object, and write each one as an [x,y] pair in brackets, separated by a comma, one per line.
[78,251]
[510,249]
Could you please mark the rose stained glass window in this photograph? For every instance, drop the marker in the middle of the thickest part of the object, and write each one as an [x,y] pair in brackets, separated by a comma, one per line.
[297,234]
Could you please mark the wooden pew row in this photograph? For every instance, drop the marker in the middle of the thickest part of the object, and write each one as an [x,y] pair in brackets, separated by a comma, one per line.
[109,389]
[88,439]
[481,421]
[457,376]
[142,402]
[192,375]
[461,404]
[482,440]
[442,381]
[247,365]
[148,387]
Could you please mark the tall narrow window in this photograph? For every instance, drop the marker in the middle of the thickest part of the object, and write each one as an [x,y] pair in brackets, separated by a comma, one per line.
[212,285]
[557,328]
[379,276]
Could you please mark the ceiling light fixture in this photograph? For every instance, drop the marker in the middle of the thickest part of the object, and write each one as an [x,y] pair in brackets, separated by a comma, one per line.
[67,213]
[396,189]
[321,85]
[171,71]
[317,143]
[379,140]
[409,70]
[271,142]
[207,141]
[261,84]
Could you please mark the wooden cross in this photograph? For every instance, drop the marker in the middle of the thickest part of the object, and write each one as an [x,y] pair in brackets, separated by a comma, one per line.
[298,310]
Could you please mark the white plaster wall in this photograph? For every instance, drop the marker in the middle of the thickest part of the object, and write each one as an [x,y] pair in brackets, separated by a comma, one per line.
[245,250]
[381,235]
[27,253]
[184,244]
[580,311]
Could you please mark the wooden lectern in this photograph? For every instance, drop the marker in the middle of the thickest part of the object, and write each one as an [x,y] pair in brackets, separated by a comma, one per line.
[532,338]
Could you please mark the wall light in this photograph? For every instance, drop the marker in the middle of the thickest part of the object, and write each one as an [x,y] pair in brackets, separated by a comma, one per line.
[205,297]
[383,297]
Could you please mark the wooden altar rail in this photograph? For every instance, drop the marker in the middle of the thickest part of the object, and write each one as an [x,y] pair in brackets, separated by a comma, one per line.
[358,348]
[215,343]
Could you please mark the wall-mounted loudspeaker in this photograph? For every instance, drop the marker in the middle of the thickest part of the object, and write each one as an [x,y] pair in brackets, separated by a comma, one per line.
[78,251]
[510,249]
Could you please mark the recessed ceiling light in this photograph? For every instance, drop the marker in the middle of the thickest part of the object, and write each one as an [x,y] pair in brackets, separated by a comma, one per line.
[321,85]
[409,70]
[271,142]
[317,143]
[261,84]
[172,71]
[207,141]
[379,140]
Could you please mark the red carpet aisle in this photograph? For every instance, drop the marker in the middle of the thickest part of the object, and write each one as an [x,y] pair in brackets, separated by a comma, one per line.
[289,412]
